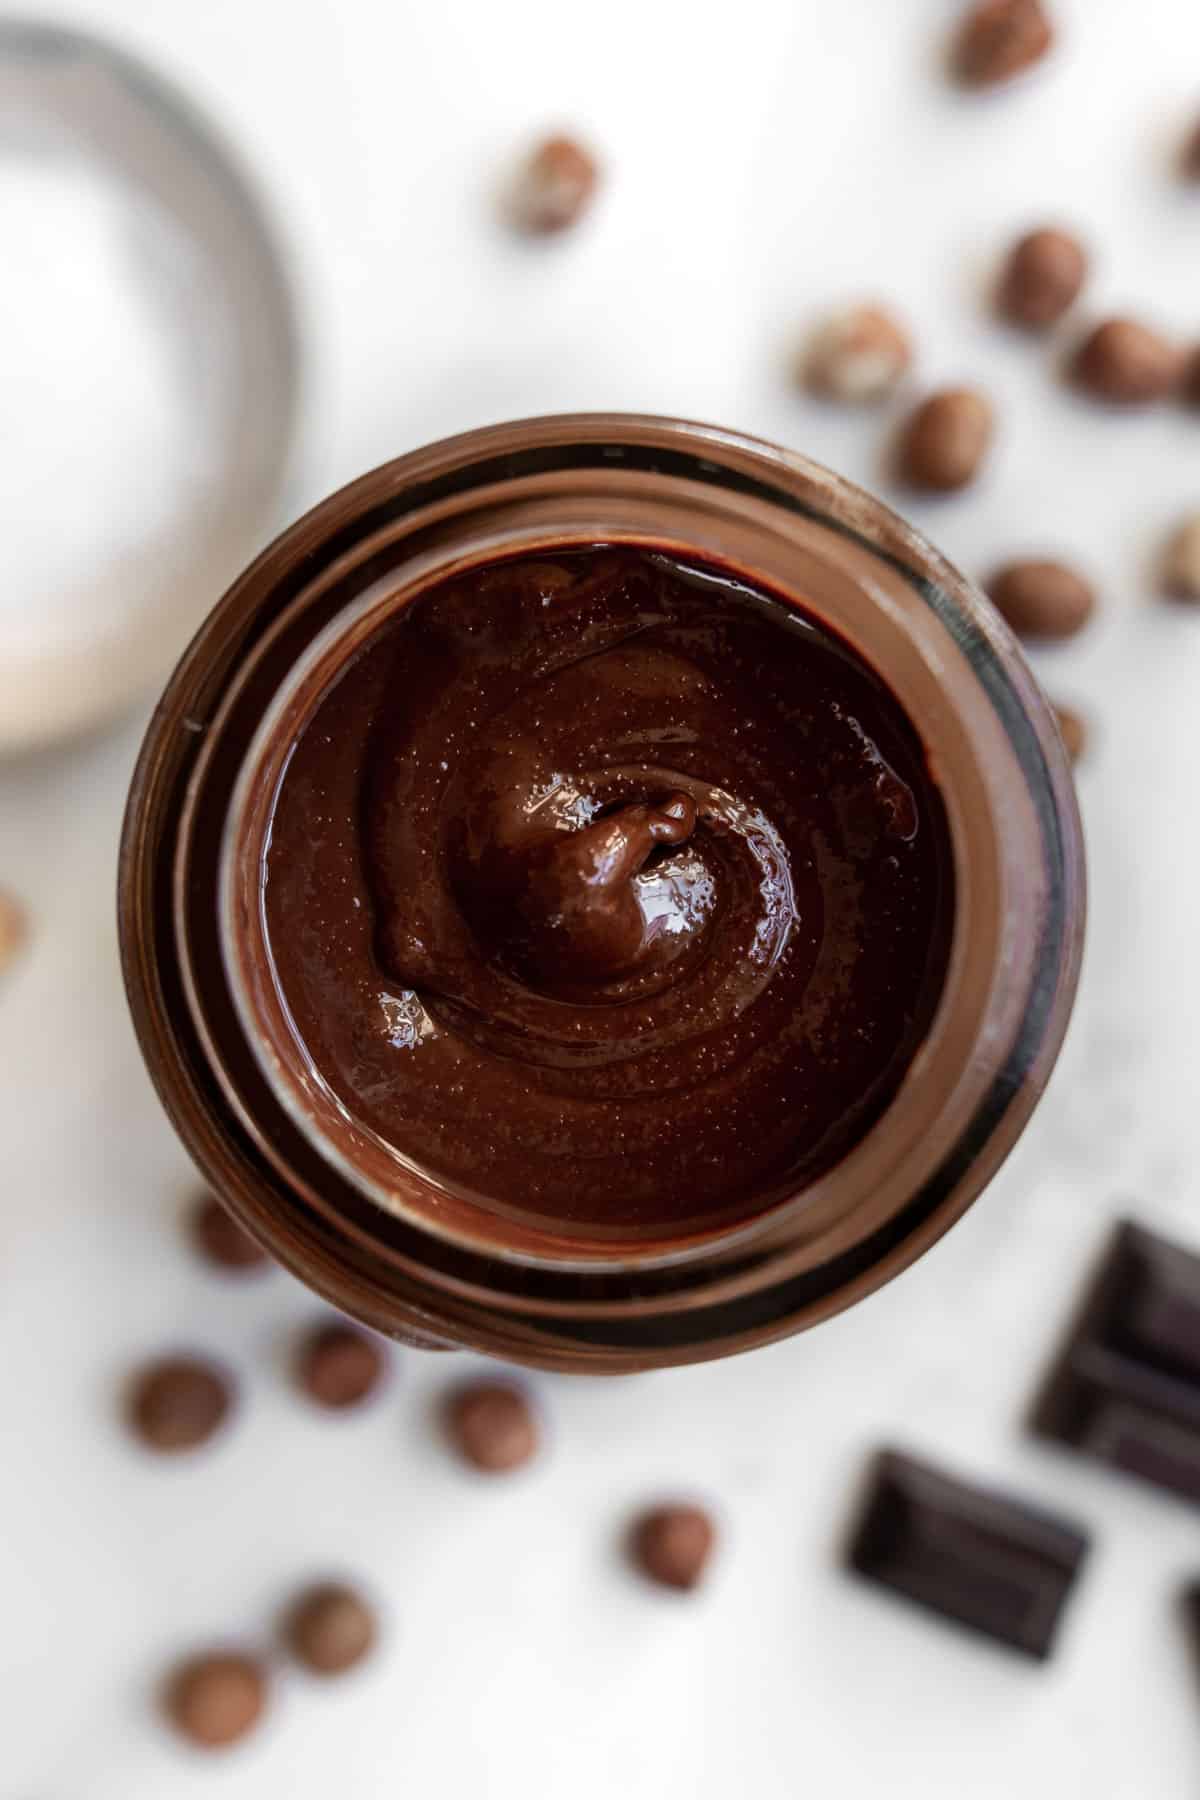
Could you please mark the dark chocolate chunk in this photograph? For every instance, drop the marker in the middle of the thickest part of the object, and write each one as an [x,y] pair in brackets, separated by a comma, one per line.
[220,1239]
[330,1628]
[216,1699]
[492,1425]
[339,1366]
[179,1402]
[672,1545]
[985,1560]
[1126,1386]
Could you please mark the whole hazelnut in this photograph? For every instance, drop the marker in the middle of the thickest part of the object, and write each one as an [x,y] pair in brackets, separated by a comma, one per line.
[999,39]
[673,1545]
[13,928]
[1189,160]
[1042,600]
[492,1425]
[1181,569]
[330,1628]
[945,440]
[1042,279]
[554,187]
[1189,387]
[1126,363]
[859,355]
[215,1699]
[1072,727]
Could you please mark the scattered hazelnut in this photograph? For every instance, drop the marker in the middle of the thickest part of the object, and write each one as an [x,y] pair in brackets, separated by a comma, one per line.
[339,1366]
[554,187]
[1073,730]
[1126,363]
[14,929]
[330,1628]
[1181,570]
[219,1238]
[1189,387]
[1042,600]
[1042,279]
[179,1403]
[672,1545]
[945,440]
[999,39]
[859,355]
[492,1425]
[1189,160]
[216,1699]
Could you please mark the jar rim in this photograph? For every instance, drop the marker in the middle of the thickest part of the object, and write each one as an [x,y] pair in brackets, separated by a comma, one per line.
[723,459]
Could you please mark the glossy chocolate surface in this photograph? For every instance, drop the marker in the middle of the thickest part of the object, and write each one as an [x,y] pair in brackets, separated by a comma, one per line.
[610,890]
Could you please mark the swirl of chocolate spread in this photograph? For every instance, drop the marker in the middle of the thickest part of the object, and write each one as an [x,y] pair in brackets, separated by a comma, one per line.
[609,890]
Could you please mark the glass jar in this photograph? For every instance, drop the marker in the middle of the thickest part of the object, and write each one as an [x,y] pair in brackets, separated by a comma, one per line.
[212,1027]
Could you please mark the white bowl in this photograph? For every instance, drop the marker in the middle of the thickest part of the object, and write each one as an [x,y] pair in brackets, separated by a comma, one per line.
[228,301]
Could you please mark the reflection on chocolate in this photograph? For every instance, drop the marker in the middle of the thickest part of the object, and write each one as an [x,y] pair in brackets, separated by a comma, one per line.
[985,1560]
[610,890]
[1126,1386]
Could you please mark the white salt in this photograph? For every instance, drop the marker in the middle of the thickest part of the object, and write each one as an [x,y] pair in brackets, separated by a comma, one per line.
[102,452]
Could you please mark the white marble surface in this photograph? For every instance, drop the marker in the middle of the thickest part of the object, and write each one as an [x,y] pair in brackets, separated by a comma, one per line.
[765,159]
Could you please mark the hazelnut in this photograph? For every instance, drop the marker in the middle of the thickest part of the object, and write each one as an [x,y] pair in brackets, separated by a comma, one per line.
[14,929]
[216,1699]
[554,187]
[330,1628]
[945,440]
[859,355]
[1126,363]
[1072,727]
[1045,600]
[999,39]
[1042,278]
[1189,160]
[672,1545]
[493,1426]
[1189,387]
[1181,570]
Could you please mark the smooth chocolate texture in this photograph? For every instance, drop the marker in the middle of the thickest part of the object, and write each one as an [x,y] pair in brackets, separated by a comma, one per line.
[1125,1387]
[984,1560]
[610,890]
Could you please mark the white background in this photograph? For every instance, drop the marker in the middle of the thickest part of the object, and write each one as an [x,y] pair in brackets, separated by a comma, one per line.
[764,159]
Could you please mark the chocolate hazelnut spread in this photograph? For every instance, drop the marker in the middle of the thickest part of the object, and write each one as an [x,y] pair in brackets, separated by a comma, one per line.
[609,889]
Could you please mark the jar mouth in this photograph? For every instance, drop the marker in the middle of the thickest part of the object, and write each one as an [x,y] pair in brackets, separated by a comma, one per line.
[887,616]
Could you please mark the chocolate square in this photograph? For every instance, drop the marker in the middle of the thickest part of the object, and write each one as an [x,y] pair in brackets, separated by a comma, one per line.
[979,1558]
[1125,1388]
